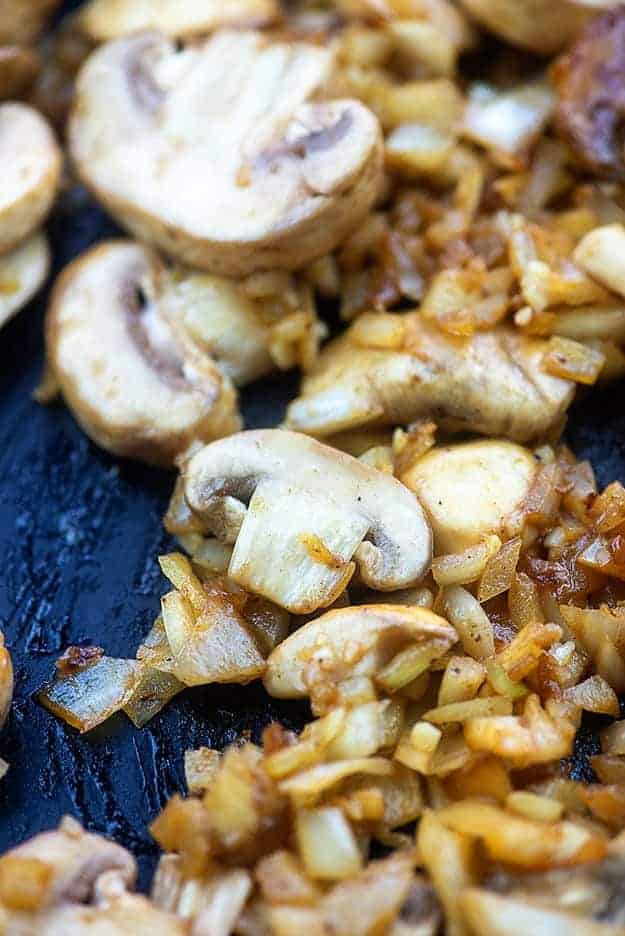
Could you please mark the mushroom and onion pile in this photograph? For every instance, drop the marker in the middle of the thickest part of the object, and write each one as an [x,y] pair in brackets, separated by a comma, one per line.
[415,552]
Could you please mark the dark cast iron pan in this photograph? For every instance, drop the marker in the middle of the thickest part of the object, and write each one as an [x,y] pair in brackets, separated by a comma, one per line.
[80,532]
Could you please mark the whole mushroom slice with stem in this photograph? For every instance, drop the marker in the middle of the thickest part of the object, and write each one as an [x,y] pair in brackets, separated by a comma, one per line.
[102,20]
[540,27]
[302,516]
[31,169]
[135,382]
[352,642]
[394,369]
[224,153]
[22,274]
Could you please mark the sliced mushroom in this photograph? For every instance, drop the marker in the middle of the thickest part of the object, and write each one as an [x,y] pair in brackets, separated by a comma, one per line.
[71,861]
[311,509]
[18,69]
[470,490]
[590,81]
[31,167]
[492,383]
[221,153]
[493,915]
[6,681]
[22,274]
[24,20]
[102,20]
[135,383]
[356,641]
[532,24]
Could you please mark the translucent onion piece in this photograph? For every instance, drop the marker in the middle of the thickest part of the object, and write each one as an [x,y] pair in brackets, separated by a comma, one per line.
[88,697]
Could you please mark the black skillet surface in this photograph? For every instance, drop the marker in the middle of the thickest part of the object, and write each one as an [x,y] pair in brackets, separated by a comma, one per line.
[79,536]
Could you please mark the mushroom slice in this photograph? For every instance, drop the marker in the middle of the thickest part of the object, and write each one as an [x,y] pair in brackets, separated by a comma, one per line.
[24,20]
[470,490]
[70,861]
[532,24]
[22,274]
[31,167]
[222,153]
[492,383]
[135,383]
[355,641]
[493,915]
[18,69]
[590,81]
[311,509]
[6,681]
[102,20]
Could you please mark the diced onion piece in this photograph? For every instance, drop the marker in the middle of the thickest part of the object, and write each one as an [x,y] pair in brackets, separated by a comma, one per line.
[533,806]
[507,122]
[467,566]
[499,571]
[609,768]
[573,361]
[212,646]
[462,678]
[309,749]
[613,738]
[594,695]
[153,690]
[417,149]
[367,729]
[608,509]
[473,708]
[308,787]
[522,842]
[471,622]
[448,859]
[4,768]
[499,680]
[200,766]
[601,254]
[326,844]
[522,655]
[410,663]
[535,737]
[89,696]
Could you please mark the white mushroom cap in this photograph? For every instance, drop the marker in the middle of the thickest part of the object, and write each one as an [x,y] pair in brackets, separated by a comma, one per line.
[350,641]
[469,490]
[221,153]
[137,386]
[31,168]
[492,383]
[311,509]
[22,274]
[102,20]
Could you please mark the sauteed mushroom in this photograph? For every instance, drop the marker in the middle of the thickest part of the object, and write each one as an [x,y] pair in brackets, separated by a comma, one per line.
[532,24]
[136,384]
[102,20]
[218,153]
[492,383]
[303,515]
[22,273]
[6,681]
[31,167]
[469,490]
